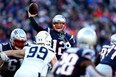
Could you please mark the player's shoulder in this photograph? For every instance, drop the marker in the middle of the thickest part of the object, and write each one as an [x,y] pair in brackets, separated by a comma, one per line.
[73,50]
[5,43]
[47,47]
[29,45]
[106,46]
[68,35]
[51,50]
[88,50]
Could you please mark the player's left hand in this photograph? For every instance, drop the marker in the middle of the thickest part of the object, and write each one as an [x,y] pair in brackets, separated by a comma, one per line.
[4,57]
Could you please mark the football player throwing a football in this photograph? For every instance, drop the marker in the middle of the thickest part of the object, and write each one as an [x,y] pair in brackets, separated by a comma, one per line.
[61,39]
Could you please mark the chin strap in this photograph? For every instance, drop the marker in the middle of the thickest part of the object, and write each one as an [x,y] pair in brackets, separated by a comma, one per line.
[4,57]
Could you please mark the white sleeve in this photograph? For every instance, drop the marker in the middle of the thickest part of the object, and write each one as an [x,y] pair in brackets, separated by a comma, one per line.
[4,57]
[51,55]
[55,66]
[93,72]
[1,47]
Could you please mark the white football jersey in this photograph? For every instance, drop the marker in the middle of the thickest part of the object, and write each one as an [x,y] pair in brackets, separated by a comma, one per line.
[36,58]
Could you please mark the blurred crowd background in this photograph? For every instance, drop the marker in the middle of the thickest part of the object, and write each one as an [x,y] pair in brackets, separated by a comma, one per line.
[97,14]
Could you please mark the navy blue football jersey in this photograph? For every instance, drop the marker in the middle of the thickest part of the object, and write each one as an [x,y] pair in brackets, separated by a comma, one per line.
[59,38]
[13,64]
[108,56]
[71,64]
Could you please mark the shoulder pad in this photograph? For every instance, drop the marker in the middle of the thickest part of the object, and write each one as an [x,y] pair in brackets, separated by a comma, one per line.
[106,46]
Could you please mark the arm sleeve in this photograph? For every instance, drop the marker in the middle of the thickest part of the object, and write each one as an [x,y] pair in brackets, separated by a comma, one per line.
[0,47]
[55,67]
[93,72]
[35,25]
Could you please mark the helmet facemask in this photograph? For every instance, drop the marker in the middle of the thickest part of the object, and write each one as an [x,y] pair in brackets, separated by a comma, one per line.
[59,26]
[58,23]
[18,44]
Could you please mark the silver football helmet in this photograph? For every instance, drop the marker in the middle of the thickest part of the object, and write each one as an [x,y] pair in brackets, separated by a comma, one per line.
[43,37]
[86,38]
[58,23]
[18,38]
[113,39]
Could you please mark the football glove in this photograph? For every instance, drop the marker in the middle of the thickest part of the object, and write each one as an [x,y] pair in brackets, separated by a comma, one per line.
[4,57]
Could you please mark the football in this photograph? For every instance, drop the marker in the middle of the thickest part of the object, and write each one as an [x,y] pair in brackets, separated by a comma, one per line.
[33,8]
